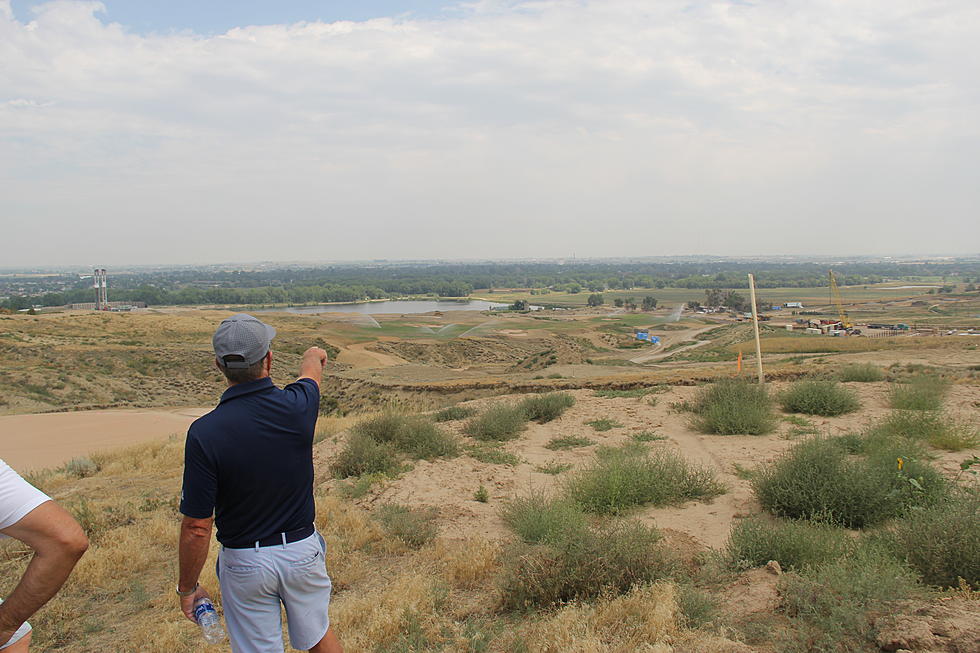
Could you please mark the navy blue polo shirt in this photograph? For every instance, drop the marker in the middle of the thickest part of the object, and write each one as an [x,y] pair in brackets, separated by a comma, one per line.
[249,462]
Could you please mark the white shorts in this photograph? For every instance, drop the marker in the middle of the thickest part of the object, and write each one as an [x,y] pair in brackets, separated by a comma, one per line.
[18,634]
[255,581]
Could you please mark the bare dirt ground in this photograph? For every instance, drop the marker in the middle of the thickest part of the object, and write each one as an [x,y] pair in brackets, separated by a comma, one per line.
[49,440]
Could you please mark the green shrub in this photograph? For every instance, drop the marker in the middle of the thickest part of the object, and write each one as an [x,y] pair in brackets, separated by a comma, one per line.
[492,454]
[452,413]
[363,455]
[647,436]
[410,434]
[583,564]
[794,545]
[697,607]
[499,422]
[830,602]
[942,542]
[632,393]
[818,480]
[553,467]
[545,408]
[604,424]
[862,373]
[567,442]
[81,467]
[733,406]
[819,397]
[921,393]
[482,494]
[414,527]
[628,476]
[538,518]
[941,431]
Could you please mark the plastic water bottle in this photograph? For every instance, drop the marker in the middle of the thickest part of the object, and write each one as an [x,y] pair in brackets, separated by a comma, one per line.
[209,621]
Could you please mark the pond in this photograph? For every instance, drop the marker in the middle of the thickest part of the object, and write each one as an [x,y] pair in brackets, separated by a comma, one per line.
[391,306]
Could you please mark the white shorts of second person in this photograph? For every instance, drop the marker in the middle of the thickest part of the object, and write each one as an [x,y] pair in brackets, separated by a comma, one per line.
[18,634]
[255,581]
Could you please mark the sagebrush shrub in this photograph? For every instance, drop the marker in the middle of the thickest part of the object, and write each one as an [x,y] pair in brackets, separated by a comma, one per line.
[819,397]
[583,563]
[731,407]
[942,542]
[499,422]
[363,455]
[452,413]
[413,526]
[545,408]
[862,373]
[939,430]
[538,518]
[628,476]
[411,434]
[921,393]
[794,545]
[818,480]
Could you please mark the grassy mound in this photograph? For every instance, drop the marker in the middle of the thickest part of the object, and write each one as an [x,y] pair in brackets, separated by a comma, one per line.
[732,407]
[819,397]
[628,476]
[921,393]
[862,373]
[818,479]
[794,545]
[545,408]
[499,422]
[939,430]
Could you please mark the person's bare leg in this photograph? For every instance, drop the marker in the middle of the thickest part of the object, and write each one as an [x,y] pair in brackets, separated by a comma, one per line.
[21,646]
[329,643]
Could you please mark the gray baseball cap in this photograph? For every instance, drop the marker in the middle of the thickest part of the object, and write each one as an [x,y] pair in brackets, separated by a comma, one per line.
[242,335]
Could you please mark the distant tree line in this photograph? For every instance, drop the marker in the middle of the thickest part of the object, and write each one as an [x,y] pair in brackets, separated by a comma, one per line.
[352,283]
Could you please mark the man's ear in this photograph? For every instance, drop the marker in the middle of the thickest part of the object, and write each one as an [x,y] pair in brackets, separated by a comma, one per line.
[217,364]
[268,362]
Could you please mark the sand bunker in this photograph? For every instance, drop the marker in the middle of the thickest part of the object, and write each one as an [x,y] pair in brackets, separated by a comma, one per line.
[52,439]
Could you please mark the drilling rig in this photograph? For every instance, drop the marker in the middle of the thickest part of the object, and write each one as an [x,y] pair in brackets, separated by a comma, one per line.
[835,298]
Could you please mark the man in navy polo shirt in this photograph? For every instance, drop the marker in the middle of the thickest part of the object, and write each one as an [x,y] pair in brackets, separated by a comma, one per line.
[248,468]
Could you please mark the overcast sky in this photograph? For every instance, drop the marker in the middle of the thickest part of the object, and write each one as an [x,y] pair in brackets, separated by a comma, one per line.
[245,131]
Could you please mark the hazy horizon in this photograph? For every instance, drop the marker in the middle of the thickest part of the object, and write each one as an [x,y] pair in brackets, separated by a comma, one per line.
[181,134]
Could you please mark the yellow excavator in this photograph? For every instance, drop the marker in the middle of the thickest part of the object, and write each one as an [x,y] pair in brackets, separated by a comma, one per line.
[835,298]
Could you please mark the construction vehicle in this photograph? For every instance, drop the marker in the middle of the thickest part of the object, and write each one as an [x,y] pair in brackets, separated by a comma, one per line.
[835,298]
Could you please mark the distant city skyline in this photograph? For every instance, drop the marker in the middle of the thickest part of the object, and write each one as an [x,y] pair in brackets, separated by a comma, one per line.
[194,133]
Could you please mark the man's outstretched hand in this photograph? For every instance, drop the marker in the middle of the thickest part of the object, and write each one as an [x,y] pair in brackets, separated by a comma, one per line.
[314,360]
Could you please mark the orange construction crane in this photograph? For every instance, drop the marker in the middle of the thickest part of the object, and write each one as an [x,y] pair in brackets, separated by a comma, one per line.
[835,298]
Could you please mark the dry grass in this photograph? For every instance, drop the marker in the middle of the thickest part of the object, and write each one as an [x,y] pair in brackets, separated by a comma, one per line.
[831,344]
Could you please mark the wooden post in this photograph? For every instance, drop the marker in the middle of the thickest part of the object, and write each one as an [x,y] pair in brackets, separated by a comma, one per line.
[755,328]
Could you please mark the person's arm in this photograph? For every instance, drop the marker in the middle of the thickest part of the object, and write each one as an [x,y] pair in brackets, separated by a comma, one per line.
[195,540]
[314,360]
[58,542]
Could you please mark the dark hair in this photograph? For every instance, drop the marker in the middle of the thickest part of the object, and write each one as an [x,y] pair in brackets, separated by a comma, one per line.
[243,374]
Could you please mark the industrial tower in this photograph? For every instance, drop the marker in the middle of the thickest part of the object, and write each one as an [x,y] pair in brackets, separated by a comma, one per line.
[101,290]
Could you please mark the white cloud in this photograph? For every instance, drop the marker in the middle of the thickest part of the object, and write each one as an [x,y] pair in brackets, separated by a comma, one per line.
[602,127]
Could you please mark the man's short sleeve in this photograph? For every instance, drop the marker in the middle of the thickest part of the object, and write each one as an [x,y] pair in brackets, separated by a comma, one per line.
[17,497]
[306,395]
[200,481]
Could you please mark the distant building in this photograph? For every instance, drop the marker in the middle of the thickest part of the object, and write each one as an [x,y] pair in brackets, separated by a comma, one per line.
[793,304]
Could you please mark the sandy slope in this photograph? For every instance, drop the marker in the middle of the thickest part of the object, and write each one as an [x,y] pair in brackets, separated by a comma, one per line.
[51,439]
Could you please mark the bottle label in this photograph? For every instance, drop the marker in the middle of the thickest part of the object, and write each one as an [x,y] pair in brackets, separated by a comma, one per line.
[202,608]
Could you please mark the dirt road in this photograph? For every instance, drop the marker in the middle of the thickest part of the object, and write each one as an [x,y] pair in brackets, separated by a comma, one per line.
[51,439]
